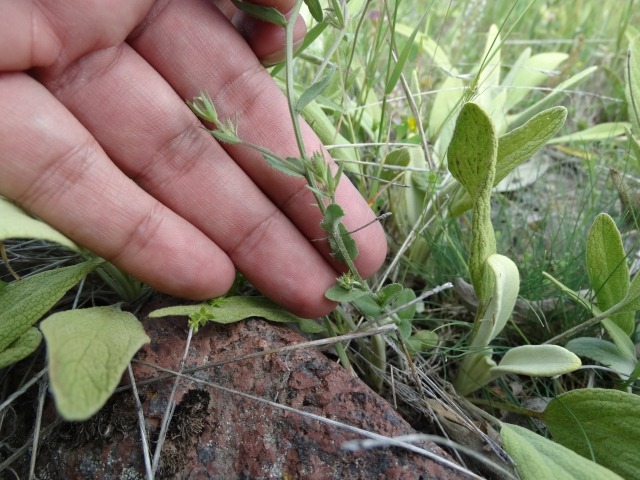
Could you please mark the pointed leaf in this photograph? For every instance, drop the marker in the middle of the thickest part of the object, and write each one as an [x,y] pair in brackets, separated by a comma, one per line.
[293,167]
[338,293]
[537,458]
[598,423]
[16,223]
[231,310]
[602,131]
[21,348]
[551,99]
[23,303]
[392,80]
[315,89]
[538,361]
[520,144]
[315,9]
[607,268]
[604,352]
[632,82]
[266,14]
[87,352]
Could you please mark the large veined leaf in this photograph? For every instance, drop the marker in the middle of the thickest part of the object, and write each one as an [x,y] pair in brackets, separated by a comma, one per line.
[16,223]
[87,352]
[607,268]
[537,458]
[24,302]
[537,361]
[24,346]
[602,424]
[603,352]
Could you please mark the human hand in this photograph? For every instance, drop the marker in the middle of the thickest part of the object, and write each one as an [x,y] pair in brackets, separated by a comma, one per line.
[96,139]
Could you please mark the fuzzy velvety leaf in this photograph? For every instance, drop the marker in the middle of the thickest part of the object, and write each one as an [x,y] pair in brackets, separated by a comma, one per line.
[537,458]
[604,352]
[23,303]
[314,90]
[598,423]
[24,346]
[632,81]
[607,268]
[537,361]
[231,310]
[348,242]
[16,223]
[332,216]
[87,351]
[389,293]
[338,293]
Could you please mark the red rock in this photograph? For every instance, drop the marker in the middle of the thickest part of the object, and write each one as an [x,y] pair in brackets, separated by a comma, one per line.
[218,435]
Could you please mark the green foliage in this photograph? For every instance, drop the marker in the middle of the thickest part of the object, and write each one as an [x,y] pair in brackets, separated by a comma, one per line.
[537,457]
[24,302]
[87,352]
[598,424]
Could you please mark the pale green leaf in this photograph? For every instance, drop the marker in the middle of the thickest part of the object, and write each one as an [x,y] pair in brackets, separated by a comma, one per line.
[392,80]
[266,14]
[620,338]
[473,149]
[553,98]
[529,72]
[538,458]
[632,81]
[430,47]
[231,310]
[87,352]
[24,346]
[314,90]
[520,144]
[399,157]
[537,361]
[338,293]
[602,424]
[602,131]
[490,97]
[24,302]
[16,223]
[604,352]
[607,268]
[406,296]
[308,325]
[506,285]
[332,217]
[315,9]
[389,293]
[422,341]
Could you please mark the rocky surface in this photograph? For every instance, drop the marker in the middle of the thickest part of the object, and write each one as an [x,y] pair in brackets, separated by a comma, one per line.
[219,435]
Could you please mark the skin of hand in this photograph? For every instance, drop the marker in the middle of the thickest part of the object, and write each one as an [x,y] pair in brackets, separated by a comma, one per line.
[96,139]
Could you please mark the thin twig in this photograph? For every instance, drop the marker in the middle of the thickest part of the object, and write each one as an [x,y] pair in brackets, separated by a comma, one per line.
[141,423]
[42,394]
[171,404]
[22,389]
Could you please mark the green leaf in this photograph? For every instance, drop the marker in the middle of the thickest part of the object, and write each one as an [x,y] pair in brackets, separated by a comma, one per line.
[538,458]
[266,14]
[422,341]
[315,89]
[231,310]
[399,157]
[292,167]
[407,295]
[367,306]
[389,293]
[537,361]
[24,346]
[632,82]
[16,223]
[620,338]
[604,352]
[315,9]
[332,216]
[472,161]
[87,351]
[598,423]
[348,241]
[392,80]
[520,144]
[551,99]
[338,293]
[602,131]
[473,149]
[607,268]
[311,326]
[24,302]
